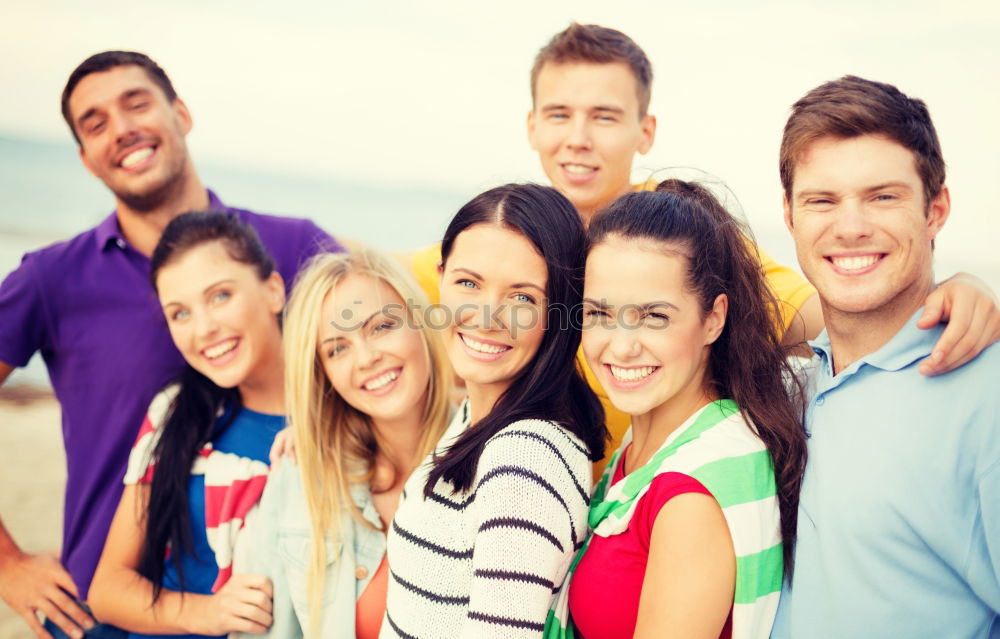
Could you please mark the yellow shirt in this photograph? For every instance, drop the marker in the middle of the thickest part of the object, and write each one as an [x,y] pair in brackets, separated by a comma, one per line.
[791,289]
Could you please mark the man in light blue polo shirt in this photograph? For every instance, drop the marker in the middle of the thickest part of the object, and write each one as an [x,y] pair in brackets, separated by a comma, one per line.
[899,518]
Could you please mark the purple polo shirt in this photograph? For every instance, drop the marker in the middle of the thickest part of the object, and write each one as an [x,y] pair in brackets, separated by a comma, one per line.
[88,306]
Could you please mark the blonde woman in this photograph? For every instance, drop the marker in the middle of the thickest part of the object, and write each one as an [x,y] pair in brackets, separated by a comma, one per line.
[367,391]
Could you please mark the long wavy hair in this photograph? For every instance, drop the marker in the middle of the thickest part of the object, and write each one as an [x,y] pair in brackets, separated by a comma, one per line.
[335,443]
[192,419]
[747,362]
[551,386]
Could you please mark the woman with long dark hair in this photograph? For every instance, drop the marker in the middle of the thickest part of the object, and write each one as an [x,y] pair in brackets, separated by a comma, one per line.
[488,525]
[200,462]
[694,518]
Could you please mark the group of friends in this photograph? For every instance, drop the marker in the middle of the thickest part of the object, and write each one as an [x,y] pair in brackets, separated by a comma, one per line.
[590,411]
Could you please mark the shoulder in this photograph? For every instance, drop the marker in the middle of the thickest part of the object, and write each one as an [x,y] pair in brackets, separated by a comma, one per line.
[59,253]
[159,407]
[278,228]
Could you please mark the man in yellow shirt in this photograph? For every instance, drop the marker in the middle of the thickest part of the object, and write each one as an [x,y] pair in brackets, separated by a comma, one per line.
[591,87]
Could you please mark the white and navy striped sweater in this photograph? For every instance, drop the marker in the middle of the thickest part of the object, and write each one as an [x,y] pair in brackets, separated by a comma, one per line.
[485,563]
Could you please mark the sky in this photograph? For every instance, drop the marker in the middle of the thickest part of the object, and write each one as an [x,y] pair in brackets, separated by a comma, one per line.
[435,94]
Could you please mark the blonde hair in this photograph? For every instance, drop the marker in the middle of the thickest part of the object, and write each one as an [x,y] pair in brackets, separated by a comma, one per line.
[335,443]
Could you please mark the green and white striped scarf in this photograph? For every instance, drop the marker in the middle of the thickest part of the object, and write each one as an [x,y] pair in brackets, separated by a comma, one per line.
[719,449]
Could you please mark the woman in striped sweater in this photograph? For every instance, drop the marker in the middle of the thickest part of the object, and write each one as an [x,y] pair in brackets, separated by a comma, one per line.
[694,518]
[487,527]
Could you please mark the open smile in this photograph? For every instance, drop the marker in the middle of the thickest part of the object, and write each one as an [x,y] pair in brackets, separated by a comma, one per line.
[384,382]
[483,350]
[221,352]
[630,377]
[858,264]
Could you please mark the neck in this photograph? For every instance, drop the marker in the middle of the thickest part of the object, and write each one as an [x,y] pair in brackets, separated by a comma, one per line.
[482,399]
[855,335]
[264,390]
[398,441]
[651,429]
[142,227]
[587,213]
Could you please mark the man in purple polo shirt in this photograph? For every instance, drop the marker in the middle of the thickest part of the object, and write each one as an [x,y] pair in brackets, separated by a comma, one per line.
[87,305]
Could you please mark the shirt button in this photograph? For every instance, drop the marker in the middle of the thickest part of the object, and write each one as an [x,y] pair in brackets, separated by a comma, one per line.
[819,401]
[120,242]
[360,572]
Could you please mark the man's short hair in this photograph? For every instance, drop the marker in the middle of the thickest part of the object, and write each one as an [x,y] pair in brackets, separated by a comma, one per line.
[108,60]
[852,107]
[599,45]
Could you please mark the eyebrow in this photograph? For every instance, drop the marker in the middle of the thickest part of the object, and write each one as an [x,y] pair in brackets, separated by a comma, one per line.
[869,189]
[515,285]
[363,326]
[92,111]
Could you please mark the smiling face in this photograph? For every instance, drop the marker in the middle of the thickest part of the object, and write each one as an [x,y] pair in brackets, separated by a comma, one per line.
[372,354]
[221,315]
[131,135]
[586,128]
[644,334]
[861,228]
[493,287]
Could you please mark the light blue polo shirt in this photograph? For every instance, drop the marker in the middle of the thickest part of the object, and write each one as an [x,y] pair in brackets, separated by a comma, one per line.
[899,518]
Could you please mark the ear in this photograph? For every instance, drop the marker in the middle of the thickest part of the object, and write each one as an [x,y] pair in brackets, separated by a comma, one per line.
[531,130]
[715,321]
[787,208]
[274,287]
[440,267]
[648,125]
[86,162]
[183,115]
[938,212]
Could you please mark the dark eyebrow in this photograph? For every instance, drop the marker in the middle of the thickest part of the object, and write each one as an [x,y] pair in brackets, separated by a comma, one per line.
[211,286]
[889,185]
[528,285]
[648,306]
[600,305]
[553,107]
[472,273]
[609,109]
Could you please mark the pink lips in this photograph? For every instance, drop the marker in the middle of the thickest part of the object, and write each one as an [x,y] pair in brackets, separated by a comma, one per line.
[226,357]
[480,355]
[631,384]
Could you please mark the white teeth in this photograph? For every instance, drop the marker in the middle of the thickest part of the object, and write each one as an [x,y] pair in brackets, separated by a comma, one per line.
[482,347]
[136,157]
[578,169]
[382,380]
[220,349]
[854,263]
[632,374]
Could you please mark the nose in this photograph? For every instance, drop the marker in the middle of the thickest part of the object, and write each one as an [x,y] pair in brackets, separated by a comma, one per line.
[850,222]
[578,137]
[122,124]
[483,314]
[205,325]
[624,344]
[368,354]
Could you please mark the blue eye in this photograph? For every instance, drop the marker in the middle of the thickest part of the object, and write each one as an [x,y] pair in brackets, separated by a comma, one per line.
[221,296]
[179,315]
[521,297]
[466,283]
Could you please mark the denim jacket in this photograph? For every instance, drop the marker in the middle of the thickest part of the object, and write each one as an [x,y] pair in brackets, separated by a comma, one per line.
[282,549]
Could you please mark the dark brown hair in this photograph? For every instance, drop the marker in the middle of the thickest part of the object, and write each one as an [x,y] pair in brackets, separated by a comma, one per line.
[852,107]
[747,362]
[106,60]
[600,45]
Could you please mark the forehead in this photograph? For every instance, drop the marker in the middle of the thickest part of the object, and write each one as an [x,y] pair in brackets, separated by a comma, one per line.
[845,164]
[102,87]
[198,268]
[499,255]
[357,297]
[621,272]
[587,84]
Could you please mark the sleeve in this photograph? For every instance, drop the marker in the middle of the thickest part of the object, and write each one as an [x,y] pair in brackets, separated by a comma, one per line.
[24,327]
[314,241]
[265,559]
[424,265]
[791,289]
[983,562]
[530,509]
[140,459]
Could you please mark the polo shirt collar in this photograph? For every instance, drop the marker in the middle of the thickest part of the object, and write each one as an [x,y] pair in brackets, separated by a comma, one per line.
[907,346]
[108,231]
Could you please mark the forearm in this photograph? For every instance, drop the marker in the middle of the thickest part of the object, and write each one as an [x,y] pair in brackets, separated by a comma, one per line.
[122,597]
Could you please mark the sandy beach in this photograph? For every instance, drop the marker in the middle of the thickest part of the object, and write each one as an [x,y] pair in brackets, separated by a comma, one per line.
[34,474]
